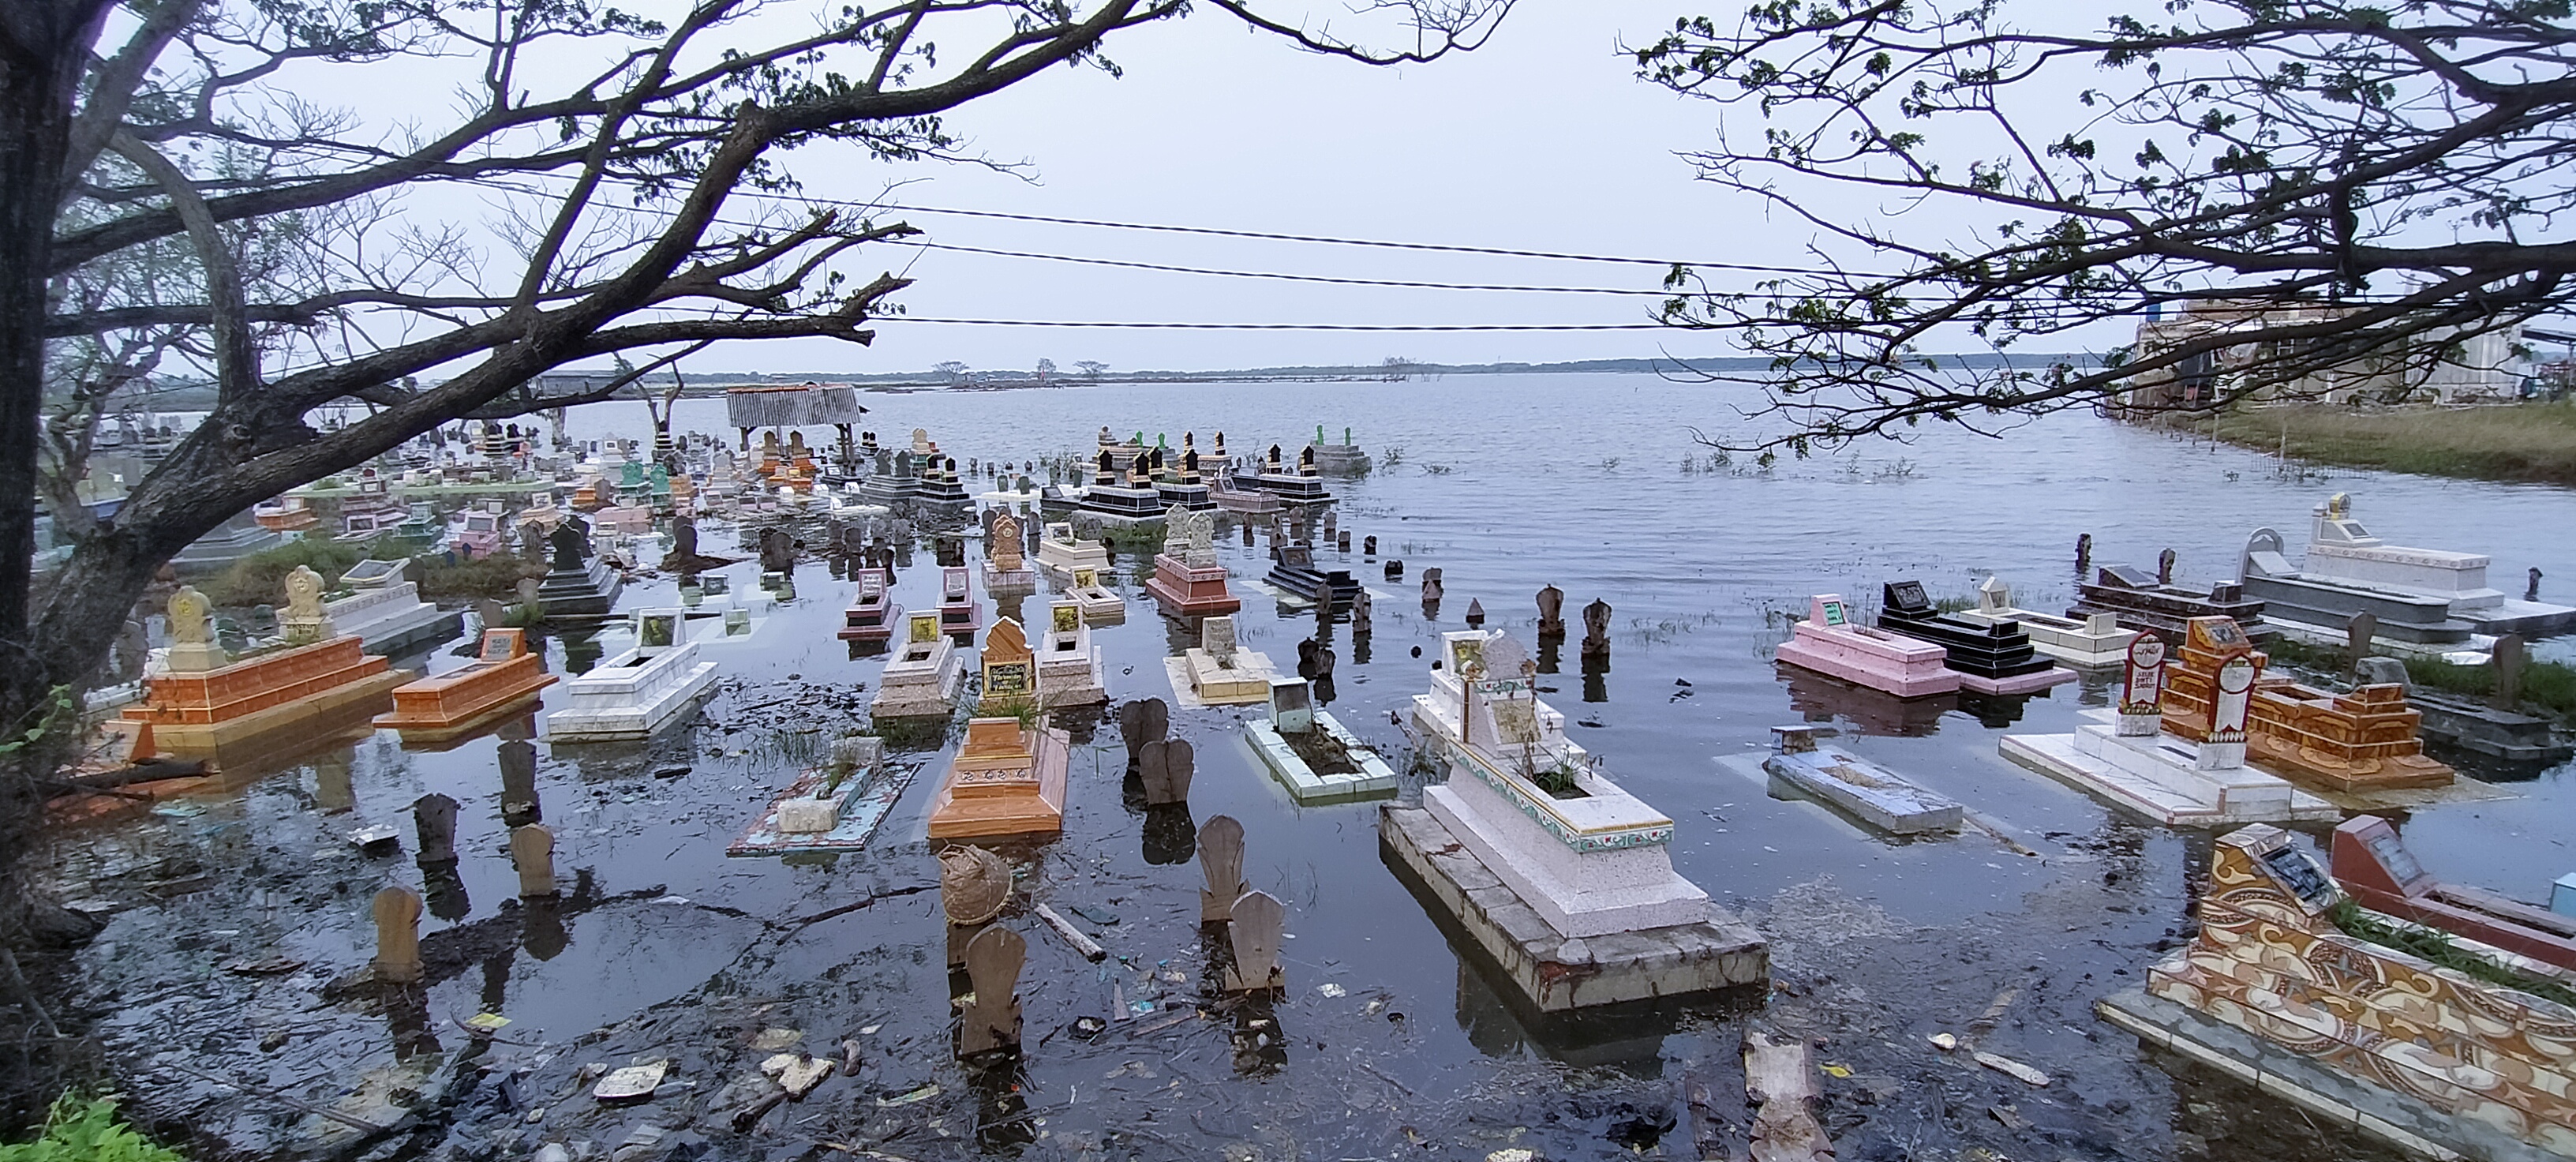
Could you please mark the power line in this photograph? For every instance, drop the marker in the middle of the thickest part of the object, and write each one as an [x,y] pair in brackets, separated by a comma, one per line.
[1466,286]
[1281,326]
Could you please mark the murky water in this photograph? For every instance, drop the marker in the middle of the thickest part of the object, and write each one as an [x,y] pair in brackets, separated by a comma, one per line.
[1507,484]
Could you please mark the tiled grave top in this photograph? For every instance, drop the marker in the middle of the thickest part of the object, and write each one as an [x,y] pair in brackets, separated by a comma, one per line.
[1610,819]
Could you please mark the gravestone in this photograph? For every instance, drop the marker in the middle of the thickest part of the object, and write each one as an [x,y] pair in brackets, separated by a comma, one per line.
[490,613]
[1259,927]
[2509,657]
[1247,534]
[2380,672]
[398,936]
[2357,634]
[1432,590]
[2142,688]
[1994,597]
[1596,629]
[192,649]
[1360,614]
[1216,639]
[532,851]
[2531,585]
[2230,705]
[991,1019]
[1342,540]
[777,550]
[1551,612]
[2165,567]
[304,622]
[1221,860]
[434,816]
[684,538]
[1475,612]
[1166,768]
[1141,722]
[1368,547]
[518,759]
[2083,553]
[1010,669]
[1006,544]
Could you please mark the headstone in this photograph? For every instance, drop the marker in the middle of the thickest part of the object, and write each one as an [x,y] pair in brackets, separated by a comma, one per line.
[1006,544]
[1596,629]
[1166,768]
[532,850]
[1342,540]
[1475,612]
[398,936]
[1141,722]
[2509,657]
[1216,638]
[1360,614]
[684,538]
[1551,612]
[1259,927]
[991,1019]
[2380,672]
[1368,546]
[518,759]
[1395,569]
[2531,585]
[2225,748]
[2083,553]
[1221,860]
[2142,687]
[1994,596]
[192,650]
[304,622]
[2357,635]
[2165,567]
[1010,669]
[435,818]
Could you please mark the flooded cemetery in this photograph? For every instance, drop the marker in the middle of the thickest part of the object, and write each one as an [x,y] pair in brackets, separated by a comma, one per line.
[1468,768]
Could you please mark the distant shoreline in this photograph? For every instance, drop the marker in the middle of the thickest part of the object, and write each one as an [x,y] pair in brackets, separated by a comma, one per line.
[192,396]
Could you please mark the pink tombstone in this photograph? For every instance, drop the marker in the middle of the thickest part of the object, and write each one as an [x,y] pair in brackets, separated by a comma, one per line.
[1831,642]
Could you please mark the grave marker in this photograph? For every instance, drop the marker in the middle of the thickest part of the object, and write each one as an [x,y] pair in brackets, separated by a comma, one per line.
[434,816]
[532,851]
[992,1014]
[398,935]
[1259,926]
[1221,860]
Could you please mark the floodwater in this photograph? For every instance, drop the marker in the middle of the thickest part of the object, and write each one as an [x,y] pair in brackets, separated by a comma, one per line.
[1390,1042]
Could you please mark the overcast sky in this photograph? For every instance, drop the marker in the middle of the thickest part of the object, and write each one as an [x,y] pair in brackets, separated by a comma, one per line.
[1541,140]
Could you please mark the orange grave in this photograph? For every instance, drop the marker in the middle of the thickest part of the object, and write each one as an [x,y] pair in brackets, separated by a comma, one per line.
[1005,780]
[2361,741]
[501,677]
[194,714]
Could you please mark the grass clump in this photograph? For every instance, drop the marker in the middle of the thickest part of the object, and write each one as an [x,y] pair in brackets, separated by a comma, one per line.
[496,576]
[2533,442]
[86,1130]
[2438,948]
[260,578]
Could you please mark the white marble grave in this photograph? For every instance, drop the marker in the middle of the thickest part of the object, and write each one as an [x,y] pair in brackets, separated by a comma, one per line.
[637,692]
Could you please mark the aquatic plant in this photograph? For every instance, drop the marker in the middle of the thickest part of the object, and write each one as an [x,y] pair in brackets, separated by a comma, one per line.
[86,1130]
[1436,469]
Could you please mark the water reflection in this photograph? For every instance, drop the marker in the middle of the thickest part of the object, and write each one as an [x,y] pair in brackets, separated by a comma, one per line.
[1871,712]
